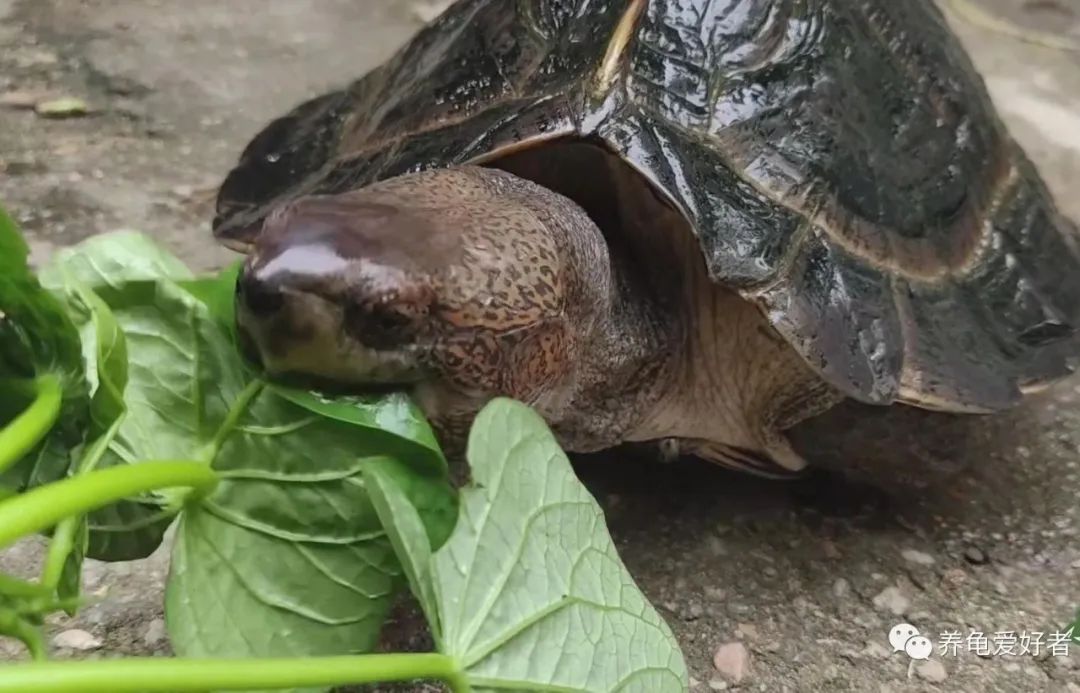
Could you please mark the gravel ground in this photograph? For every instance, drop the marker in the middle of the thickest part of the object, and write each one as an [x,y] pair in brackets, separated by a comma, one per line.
[950,524]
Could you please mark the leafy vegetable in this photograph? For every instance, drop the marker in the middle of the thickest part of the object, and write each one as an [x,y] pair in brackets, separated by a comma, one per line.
[39,359]
[528,593]
[108,366]
[290,533]
[299,512]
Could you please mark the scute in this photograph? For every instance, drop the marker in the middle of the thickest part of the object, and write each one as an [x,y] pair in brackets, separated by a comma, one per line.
[864,121]
[744,236]
[839,160]
[953,363]
[839,313]
[486,74]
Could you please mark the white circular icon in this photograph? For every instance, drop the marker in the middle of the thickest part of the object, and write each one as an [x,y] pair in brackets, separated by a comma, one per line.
[900,634]
[919,647]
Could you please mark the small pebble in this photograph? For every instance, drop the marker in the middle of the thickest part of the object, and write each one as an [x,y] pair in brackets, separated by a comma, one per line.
[918,557]
[732,660]
[76,639]
[716,547]
[975,556]
[715,593]
[931,670]
[891,599]
[155,632]
[748,631]
[955,576]
[1035,673]
[718,685]
[841,588]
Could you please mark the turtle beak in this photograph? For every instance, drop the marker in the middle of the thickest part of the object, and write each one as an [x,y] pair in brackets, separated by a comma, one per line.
[307,311]
[305,336]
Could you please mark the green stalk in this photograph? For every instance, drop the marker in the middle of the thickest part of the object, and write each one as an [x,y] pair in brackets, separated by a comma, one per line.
[45,506]
[13,625]
[14,587]
[166,674]
[30,427]
[63,537]
[61,544]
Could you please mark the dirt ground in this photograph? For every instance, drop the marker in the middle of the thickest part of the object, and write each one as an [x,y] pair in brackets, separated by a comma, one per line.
[950,524]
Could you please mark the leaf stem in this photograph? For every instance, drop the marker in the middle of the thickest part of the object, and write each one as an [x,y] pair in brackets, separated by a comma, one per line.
[13,625]
[28,428]
[61,545]
[15,587]
[63,537]
[45,506]
[232,419]
[177,674]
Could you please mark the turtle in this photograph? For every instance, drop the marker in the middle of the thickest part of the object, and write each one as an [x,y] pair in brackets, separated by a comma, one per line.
[684,223]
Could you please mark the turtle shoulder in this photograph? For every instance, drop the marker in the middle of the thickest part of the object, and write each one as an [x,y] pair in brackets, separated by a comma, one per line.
[844,168]
[484,75]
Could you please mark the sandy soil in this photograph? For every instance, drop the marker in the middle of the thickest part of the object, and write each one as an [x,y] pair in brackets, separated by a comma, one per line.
[950,524]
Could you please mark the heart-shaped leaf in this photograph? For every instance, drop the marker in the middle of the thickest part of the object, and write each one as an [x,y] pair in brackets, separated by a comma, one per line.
[528,593]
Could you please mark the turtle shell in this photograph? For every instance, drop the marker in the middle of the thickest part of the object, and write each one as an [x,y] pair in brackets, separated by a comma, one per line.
[839,161]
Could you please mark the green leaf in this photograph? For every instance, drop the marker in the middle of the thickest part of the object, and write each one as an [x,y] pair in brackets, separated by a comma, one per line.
[292,505]
[107,408]
[529,589]
[111,259]
[392,413]
[110,364]
[161,352]
[218,293]
[14,252]
[408,537]
[290,533]
[37,338]
[237,592]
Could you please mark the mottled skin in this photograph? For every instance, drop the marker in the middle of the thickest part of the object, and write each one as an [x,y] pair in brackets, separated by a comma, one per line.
[468,283]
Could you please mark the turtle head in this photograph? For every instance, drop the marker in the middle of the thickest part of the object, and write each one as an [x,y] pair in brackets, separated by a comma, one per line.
[411,280]
[341,289]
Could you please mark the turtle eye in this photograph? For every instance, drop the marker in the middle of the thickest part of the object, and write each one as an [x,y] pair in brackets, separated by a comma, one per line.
[389,318]
[381,325]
